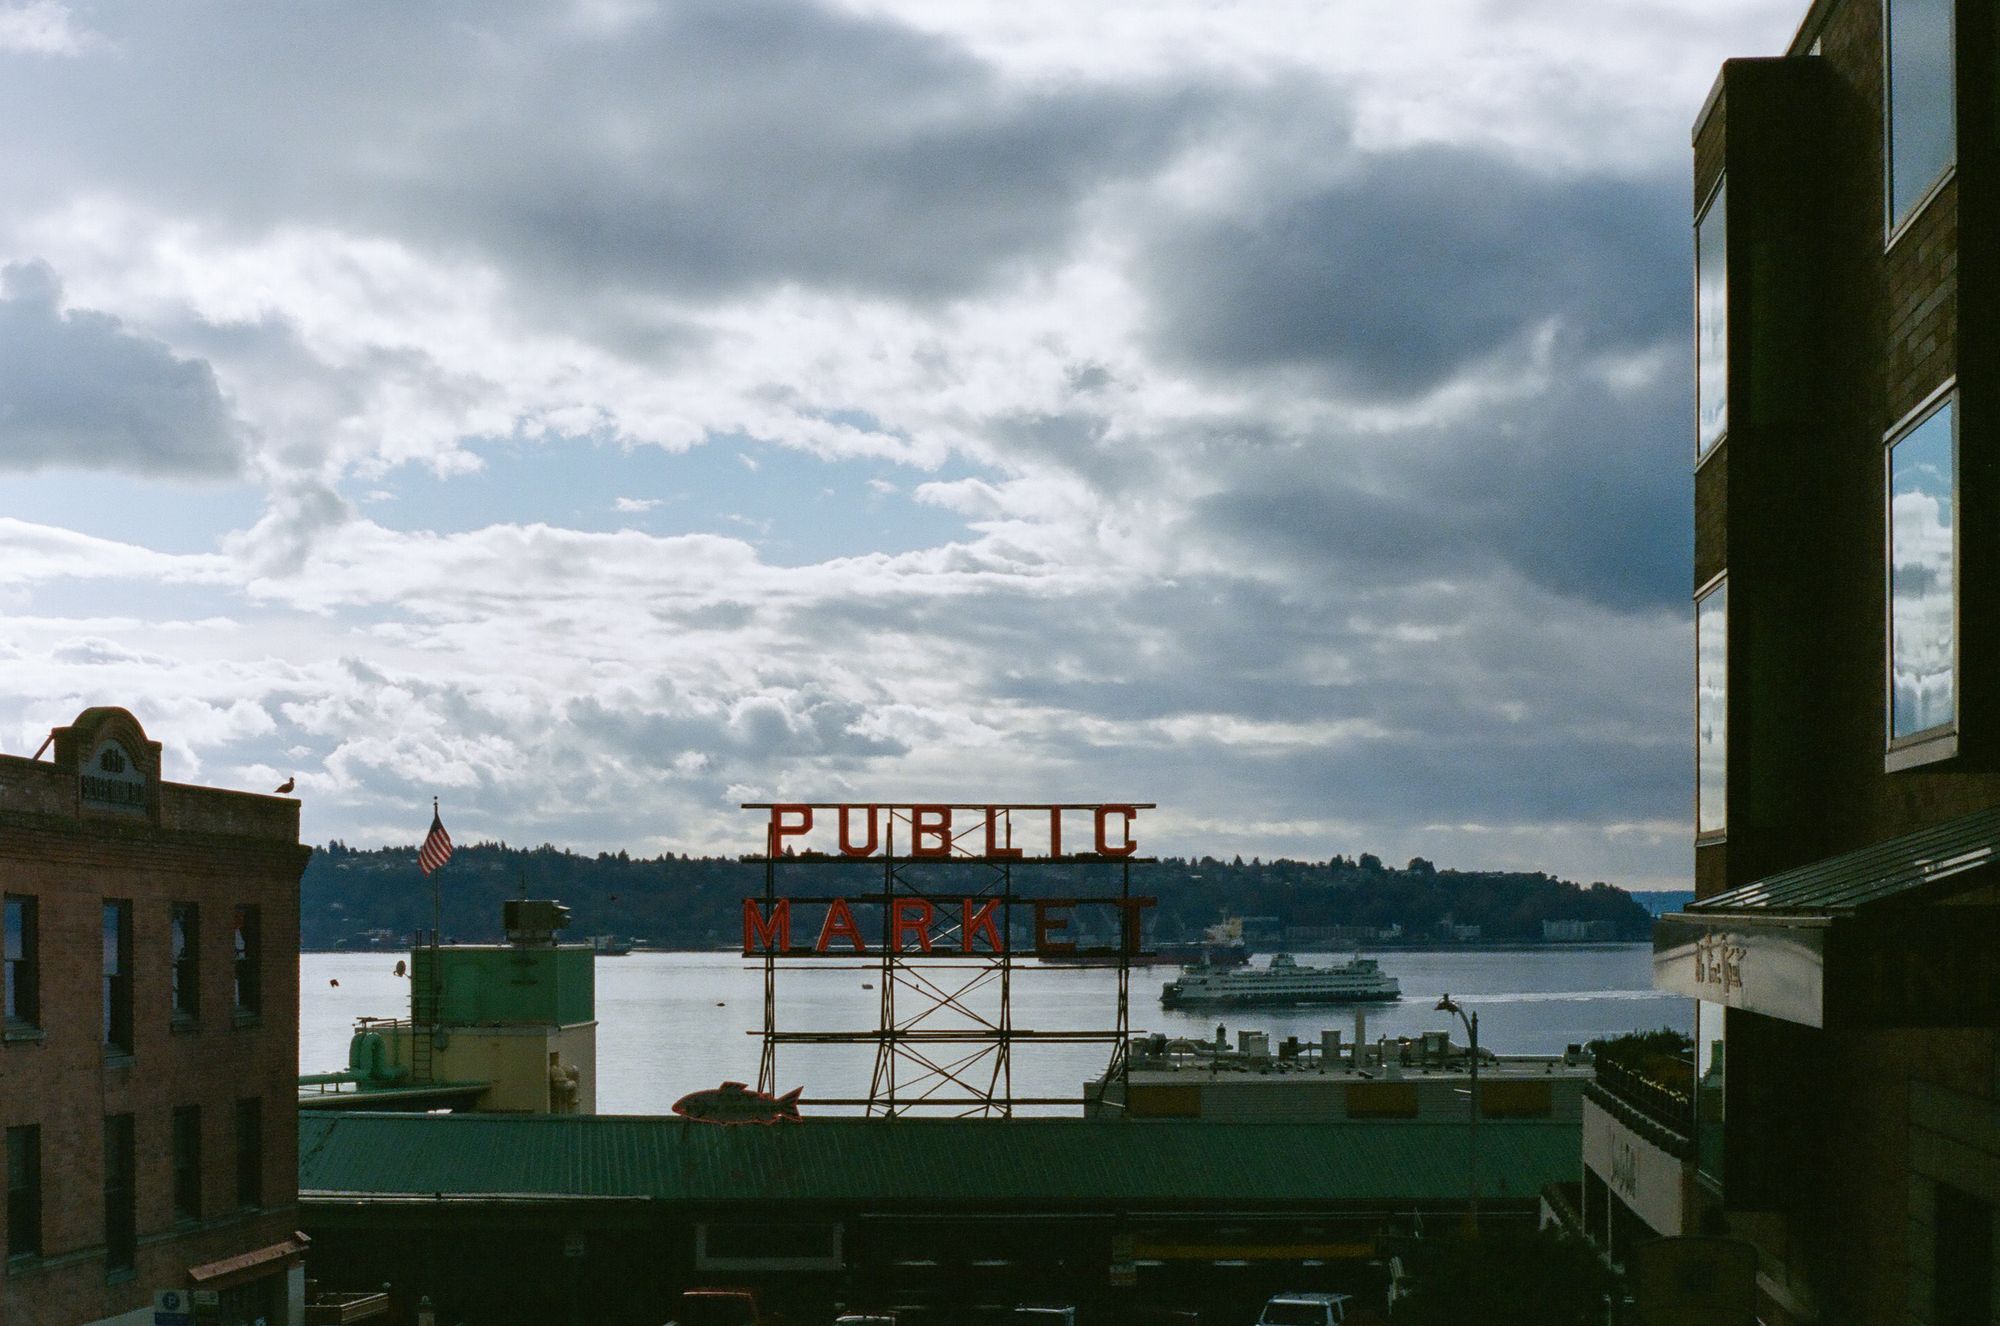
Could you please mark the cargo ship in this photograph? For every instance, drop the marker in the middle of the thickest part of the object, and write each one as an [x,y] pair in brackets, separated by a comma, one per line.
[1357,981]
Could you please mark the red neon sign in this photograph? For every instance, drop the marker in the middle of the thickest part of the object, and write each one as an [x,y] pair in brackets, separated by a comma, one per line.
[919,926]
[957,831]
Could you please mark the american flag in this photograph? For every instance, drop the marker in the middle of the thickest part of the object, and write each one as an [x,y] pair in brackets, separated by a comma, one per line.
[437,844]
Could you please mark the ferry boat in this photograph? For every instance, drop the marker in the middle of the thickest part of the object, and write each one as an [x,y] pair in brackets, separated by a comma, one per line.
[1283,982]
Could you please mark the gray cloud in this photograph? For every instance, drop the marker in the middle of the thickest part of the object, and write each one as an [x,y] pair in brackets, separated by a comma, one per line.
[1581,489]
[703,147]
[1413,265]
[79,390]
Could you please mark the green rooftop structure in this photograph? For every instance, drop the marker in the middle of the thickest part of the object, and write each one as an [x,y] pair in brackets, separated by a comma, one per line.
[508,1028]
[609,1217]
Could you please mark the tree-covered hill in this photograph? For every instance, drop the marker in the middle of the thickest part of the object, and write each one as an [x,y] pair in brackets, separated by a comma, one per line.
[683,902]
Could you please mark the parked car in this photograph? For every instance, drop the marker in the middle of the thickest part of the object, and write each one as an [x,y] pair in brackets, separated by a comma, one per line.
[719,1307]
[1038,1314]
[1305,1310]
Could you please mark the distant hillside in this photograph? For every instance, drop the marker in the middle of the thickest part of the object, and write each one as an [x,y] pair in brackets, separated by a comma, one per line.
[683,902]
[1660,902]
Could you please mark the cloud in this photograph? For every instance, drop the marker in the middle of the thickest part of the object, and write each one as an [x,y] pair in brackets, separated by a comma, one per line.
[1412,267]
[42,27]
[1291,400]
[78,390]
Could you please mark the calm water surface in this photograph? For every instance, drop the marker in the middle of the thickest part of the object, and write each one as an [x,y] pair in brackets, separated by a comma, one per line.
[671,1023]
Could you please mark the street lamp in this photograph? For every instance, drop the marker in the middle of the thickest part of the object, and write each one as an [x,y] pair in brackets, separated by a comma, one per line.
[1448,1005]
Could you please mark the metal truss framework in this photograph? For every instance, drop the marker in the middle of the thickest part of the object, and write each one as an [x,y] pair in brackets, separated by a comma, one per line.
[945,1037]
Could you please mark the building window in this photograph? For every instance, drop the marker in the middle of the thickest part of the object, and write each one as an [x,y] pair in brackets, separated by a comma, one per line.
[1710,1069]
[121,1196]
[184,940]
[1923,595]
[249,960]
[24,1192]
[118,976]
[1711,710]
[1962,1259]
[23,974]
[250,1152]
[1711,322]
[1921,118]
[187,1162]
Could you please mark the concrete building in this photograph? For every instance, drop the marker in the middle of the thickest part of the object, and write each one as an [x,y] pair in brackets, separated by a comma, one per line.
[1843,946]
[150,1043]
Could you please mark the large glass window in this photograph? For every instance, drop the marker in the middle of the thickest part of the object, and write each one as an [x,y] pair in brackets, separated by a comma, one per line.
[23,964]
[121,1195]
[1711,709]
[24,1191]
[1711,322]
[1710,1067]
[1923,599]
[184,940]
[249,959]
[1922,132]
[118,976]
[187,1162]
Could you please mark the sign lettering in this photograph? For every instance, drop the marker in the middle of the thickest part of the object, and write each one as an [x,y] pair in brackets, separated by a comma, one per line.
[937,926]
[934,831]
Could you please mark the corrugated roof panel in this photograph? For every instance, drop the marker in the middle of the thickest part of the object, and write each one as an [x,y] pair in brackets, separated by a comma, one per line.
[924,1162]
[1870,874]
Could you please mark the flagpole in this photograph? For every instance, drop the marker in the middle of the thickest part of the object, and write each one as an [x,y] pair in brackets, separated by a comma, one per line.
[437,924]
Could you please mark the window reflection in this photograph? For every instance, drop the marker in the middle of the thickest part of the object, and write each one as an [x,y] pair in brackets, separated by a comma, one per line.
[1711,709]
[1923,691]
[1711,317]
[1921,117]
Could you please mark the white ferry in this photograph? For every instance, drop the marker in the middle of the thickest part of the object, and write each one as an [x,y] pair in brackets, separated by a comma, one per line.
[1283,982]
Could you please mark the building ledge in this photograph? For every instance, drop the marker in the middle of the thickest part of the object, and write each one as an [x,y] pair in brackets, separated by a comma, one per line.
[1668,1137]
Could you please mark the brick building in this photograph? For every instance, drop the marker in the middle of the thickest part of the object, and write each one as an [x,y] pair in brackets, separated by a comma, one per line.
[149,1052]
[1843,945]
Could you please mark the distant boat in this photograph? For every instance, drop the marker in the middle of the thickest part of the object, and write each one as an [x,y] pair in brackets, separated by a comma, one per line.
[610,946]
[1283,982]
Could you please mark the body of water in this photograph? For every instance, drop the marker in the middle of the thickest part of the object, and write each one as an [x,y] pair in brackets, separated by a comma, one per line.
[671,1023]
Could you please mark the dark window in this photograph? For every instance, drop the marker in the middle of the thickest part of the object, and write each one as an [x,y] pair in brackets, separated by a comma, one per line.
[24,1192]
[1923,592]
[24,1005]
[249,960]
[1921,119]
[184,939]
[187,1162]
[1963,1260]
[250,1152]
[118,976]
[1711,1066]
[121,1197]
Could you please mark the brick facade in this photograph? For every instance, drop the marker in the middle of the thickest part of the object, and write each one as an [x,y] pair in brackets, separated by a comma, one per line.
[1838,1141]
[218,850]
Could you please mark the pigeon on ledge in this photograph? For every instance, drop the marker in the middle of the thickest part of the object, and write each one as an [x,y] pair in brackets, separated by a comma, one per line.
[287,785]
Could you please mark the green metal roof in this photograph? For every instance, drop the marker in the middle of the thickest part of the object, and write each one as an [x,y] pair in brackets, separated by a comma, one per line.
[928,1163]
[1881,871]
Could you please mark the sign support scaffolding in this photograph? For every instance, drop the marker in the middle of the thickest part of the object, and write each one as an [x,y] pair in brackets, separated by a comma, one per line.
[945,1035]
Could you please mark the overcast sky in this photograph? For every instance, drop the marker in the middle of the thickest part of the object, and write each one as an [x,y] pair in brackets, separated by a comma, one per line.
[601,415]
